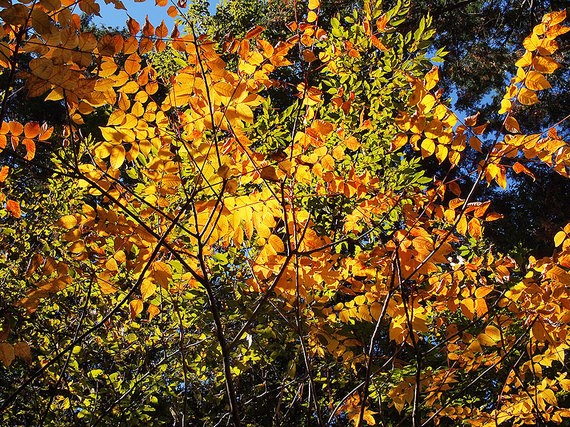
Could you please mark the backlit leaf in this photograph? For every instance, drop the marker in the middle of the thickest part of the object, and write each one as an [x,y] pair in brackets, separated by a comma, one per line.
[14,208]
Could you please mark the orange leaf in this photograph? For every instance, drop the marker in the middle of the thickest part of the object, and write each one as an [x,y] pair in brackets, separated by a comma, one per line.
[31,130]
[462,225]
[161,30]
[468,308]
[172,12]
[153,310]
[377,43]
[4,173]
[309,56]
[16,128]
[254,32]
[14,15]
[46,132]
[512,125]
[133,64]
[518,168]
[475,143]
[14,208]
[148,29]
[136,307]
[493,216]
[352,143]
[133,26]
[30,148]
[328,162]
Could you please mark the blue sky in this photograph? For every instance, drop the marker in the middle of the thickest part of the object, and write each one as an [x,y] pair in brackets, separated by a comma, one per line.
[112,17]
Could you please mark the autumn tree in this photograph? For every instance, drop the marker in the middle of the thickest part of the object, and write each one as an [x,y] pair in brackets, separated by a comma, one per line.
[212,254]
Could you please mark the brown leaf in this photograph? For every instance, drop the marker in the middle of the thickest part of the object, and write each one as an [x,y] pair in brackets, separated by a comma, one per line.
[22,349]
[7,354]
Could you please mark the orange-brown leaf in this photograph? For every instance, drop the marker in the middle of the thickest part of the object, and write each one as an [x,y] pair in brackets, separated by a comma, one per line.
[14,208]
[254,32]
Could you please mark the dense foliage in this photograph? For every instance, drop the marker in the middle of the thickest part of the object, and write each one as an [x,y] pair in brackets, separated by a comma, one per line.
[246,230]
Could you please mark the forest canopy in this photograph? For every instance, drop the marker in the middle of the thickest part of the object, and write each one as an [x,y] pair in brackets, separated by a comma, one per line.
[274,215]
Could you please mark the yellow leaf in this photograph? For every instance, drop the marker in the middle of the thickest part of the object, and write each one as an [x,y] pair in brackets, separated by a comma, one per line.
[311,16]
[148,288]
[441,153]
[559,238]
[77,247]
[536,81]
[117,156]
[485,340]
[545,64]
[468,308]
[531,43]
[505,106]
[462,225]
[104,281]
[549,396]
[314,4]
[428,147]
[67,222]
[525,60]
[112,135]
[493,332]
[527,97]
[432,78]
[111,265]
[276,243]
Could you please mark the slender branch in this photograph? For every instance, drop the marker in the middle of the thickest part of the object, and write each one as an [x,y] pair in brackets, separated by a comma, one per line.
[66,364]
[7,403]
[391,289]
[226,358]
